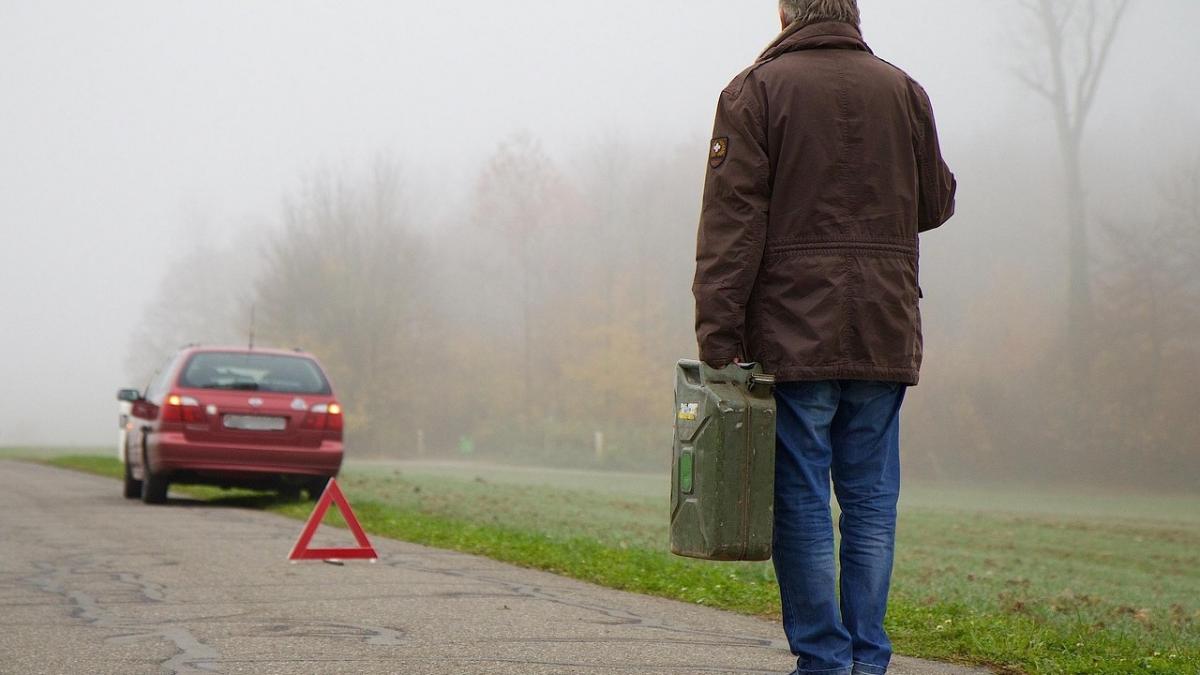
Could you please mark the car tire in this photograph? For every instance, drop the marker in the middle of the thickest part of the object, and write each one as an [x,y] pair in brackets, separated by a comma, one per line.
[154,487]
[316,486]
[288,492]
[133,487]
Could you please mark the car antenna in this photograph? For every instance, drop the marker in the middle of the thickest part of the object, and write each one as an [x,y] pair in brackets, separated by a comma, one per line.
[252,327]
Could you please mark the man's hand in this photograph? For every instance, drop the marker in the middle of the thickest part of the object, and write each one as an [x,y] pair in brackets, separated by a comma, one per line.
[718,364]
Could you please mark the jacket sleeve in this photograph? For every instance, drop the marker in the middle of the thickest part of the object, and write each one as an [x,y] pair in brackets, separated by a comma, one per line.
[733,224]
[938,186]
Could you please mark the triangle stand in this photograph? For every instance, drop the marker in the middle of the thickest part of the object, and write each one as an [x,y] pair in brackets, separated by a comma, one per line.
[332,495]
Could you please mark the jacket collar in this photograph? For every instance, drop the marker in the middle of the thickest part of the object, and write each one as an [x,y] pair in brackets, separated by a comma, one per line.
[821,35]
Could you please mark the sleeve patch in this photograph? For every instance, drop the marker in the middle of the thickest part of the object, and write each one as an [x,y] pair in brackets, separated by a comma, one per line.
[718,150]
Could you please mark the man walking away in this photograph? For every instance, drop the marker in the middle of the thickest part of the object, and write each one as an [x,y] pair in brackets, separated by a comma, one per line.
[823,169]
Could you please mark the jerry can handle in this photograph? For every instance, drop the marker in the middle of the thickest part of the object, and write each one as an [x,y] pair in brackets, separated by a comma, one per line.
[735,373]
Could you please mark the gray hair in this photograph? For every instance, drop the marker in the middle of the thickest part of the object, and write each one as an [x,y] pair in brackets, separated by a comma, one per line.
[812,11]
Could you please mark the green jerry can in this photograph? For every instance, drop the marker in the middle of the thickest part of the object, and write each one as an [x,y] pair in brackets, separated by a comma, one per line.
[723,470]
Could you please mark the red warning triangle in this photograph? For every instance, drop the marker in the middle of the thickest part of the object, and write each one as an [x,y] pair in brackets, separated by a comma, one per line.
[332,494]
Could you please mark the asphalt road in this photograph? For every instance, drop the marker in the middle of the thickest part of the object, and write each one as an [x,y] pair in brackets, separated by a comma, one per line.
[93,583]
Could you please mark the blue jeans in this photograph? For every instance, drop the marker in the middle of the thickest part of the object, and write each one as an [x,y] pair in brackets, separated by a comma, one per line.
[851,431]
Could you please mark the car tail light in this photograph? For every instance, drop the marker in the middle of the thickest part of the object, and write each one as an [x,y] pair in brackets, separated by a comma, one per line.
[333,418]
[324,417]
[183,409]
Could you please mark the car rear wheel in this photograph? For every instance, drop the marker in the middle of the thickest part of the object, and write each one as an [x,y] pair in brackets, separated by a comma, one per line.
[133,487]
[154,487]
[288,492]
[316,486]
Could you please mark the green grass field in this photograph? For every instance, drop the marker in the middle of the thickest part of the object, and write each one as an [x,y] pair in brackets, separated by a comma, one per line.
[1038,582]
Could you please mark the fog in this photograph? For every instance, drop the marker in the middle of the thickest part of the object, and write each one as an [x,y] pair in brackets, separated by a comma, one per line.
[160,162]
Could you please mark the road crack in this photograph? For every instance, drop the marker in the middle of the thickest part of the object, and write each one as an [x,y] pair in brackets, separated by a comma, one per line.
[192,655]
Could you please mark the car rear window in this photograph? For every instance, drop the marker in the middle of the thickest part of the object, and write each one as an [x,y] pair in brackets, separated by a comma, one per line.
[254,372]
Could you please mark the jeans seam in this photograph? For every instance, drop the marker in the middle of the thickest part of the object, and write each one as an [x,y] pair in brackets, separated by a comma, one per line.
[868,669]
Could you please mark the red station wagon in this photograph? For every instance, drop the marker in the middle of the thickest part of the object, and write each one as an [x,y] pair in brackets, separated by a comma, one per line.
[257,418]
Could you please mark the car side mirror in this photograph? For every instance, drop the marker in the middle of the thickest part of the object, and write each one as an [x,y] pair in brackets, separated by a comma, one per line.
[129,395]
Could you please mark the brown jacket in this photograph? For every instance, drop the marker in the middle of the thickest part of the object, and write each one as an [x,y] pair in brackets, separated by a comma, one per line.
[824,168]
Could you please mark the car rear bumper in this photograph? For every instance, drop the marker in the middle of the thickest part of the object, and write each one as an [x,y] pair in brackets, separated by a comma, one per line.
[174,453]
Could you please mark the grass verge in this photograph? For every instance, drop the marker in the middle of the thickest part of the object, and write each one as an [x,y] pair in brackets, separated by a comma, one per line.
[982,587]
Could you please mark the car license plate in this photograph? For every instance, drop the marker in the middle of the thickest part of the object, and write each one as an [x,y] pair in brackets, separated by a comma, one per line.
[255,423]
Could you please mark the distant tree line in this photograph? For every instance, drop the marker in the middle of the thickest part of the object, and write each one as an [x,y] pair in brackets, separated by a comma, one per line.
[541,323]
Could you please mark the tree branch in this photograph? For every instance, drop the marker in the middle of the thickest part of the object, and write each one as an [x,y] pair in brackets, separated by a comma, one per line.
[1038,87]
[1089,64]
[1093,85]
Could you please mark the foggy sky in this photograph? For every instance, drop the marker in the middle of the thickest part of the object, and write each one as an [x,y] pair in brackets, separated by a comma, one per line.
[131,130]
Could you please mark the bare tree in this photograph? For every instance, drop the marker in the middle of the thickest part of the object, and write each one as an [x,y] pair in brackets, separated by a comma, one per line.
[1153,277]
[1149,329]
[518,198]
[345,277]
[1077,36]
[202,300]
